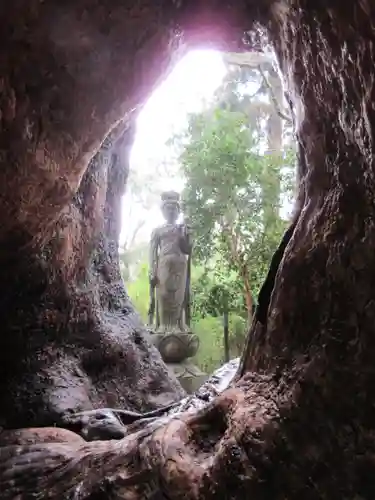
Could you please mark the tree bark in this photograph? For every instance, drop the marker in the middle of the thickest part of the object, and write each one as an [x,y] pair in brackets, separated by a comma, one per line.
[70,73]
[299,423]
[274,139]
[265,63]
[247,292]
[71,339]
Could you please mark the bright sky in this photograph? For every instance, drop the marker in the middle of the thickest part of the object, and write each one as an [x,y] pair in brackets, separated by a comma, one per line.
[194,80]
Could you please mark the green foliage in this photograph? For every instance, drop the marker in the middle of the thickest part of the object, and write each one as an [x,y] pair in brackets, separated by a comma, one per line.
[235,189]
[233,192]
[130,258]
[210,353]
[211,336]
[213,285]
[208,328]
[138,290]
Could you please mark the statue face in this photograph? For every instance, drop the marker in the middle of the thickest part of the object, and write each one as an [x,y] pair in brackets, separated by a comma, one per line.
[171,211]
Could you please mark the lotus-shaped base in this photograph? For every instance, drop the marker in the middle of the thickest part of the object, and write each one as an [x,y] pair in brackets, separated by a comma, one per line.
[175,347]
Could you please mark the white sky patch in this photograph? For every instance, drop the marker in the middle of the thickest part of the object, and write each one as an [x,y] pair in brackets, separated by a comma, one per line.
[192,82]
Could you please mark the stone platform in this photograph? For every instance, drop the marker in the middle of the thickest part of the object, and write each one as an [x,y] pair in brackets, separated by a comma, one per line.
[177,349]
[189,375]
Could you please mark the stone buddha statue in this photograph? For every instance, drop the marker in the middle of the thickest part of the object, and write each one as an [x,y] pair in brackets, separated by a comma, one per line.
[169,325]
[170,249]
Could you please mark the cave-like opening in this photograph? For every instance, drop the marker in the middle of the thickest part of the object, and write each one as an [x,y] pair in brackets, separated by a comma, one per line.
[215,112]
[298,419]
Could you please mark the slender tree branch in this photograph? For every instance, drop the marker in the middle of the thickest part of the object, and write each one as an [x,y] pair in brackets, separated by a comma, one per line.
[257,60]
[132,238]
[275,102]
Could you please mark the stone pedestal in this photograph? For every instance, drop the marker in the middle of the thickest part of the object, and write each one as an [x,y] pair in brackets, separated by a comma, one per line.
[176,349]
[189,375]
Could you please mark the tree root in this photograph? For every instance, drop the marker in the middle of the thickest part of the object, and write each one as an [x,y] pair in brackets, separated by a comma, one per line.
[22,437]
[269,436]
[109,423]
[180,456]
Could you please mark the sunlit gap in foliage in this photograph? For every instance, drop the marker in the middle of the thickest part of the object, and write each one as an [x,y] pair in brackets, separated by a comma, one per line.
[153,163]
[220,134]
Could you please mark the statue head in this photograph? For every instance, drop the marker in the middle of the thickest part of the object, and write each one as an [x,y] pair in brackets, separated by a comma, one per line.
[170,206]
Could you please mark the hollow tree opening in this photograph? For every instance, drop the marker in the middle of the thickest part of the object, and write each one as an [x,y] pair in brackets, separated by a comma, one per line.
[300,419]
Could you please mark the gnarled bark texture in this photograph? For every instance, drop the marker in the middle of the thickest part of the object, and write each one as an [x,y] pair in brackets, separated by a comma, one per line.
[298,422]
[71,339]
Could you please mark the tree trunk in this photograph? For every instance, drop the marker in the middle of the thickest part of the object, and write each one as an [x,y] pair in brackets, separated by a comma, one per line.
[274,141]
[226,333]
[70,338]
[247,292]
[68,326]
[69,73]
[237,259]
[299,423]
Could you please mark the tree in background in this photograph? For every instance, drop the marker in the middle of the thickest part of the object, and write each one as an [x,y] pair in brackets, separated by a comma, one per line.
[237,161]
[236,157]
[206,311]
